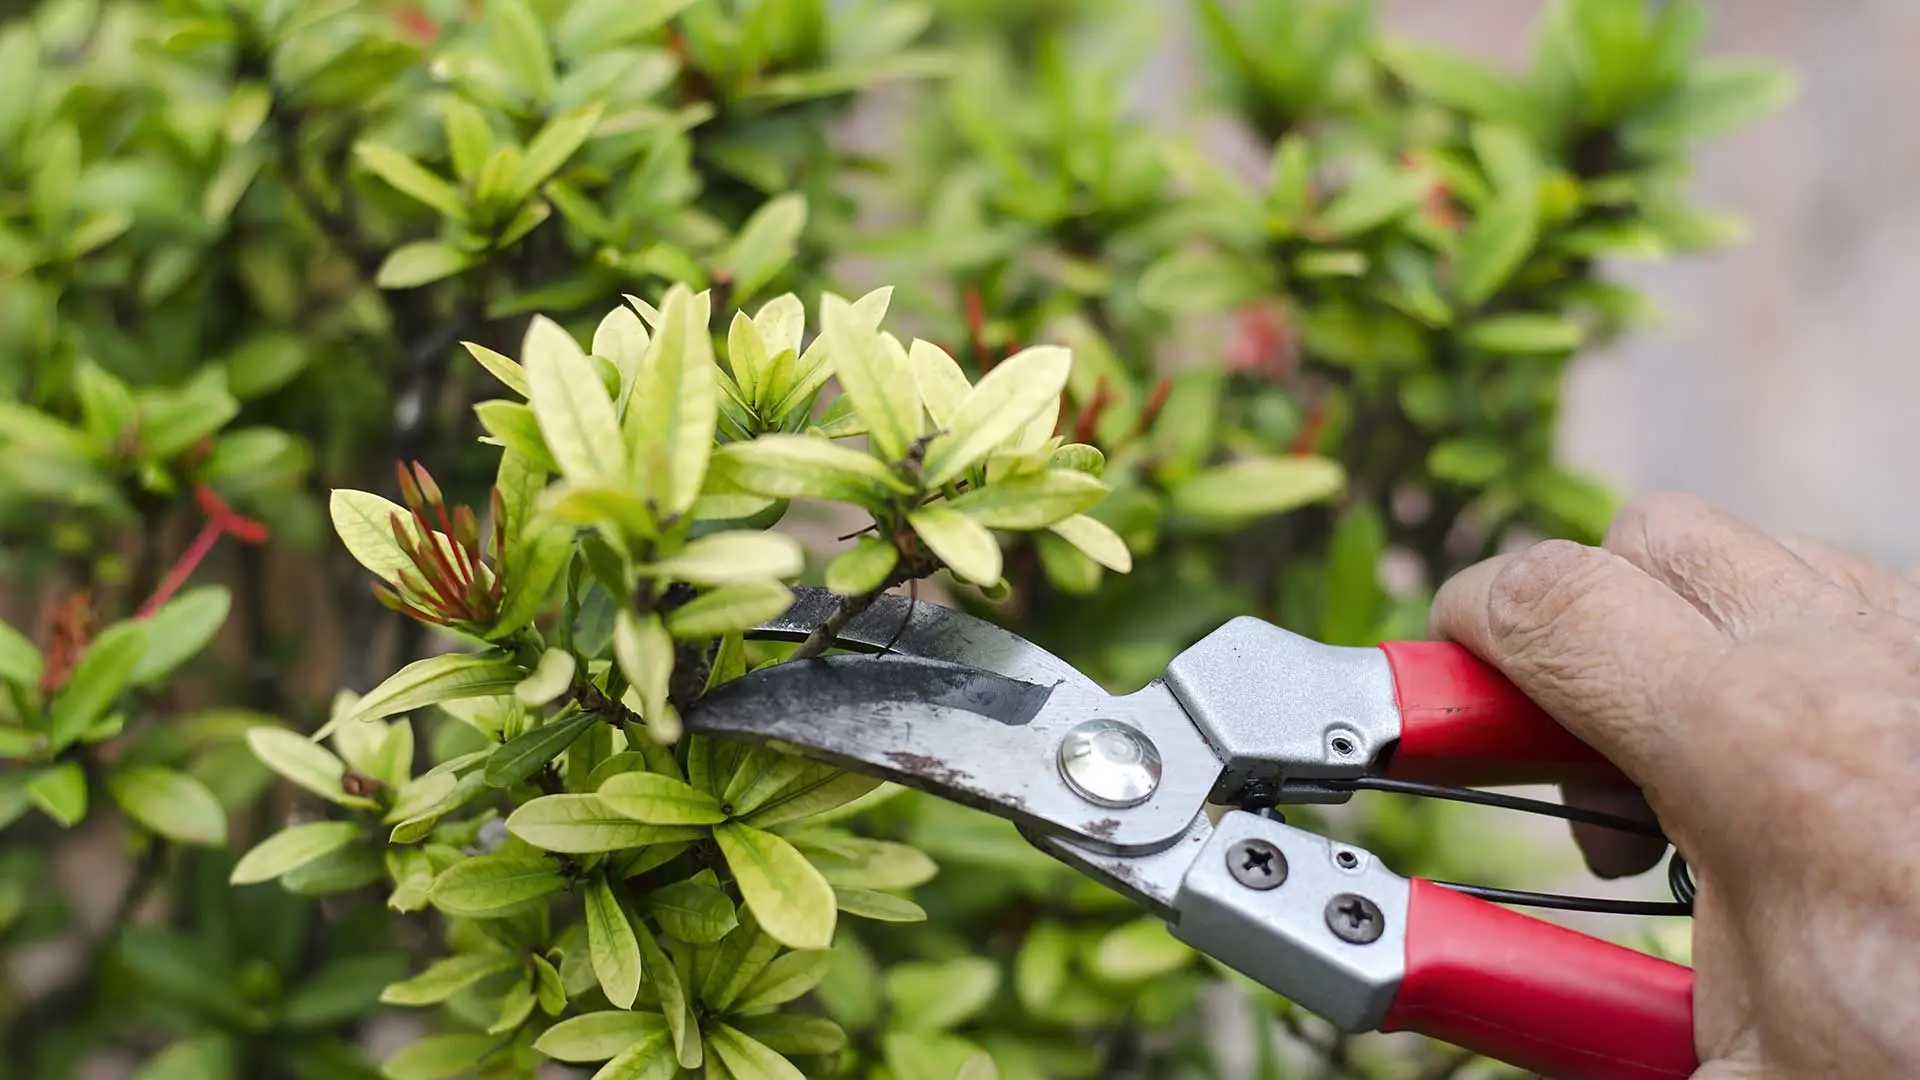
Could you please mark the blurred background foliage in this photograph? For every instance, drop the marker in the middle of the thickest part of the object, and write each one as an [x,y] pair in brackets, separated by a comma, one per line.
[241,241]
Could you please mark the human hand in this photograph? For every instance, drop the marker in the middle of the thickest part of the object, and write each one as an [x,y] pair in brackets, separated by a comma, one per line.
[1765,696]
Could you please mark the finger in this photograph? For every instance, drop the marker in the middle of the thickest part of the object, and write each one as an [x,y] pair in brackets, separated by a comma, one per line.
[1860,577]
[1611,853]
[1737,576]
[1594,641]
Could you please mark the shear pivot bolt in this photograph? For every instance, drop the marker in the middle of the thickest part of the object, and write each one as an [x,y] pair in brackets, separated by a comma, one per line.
[1110,764]
[1257,864]
[1355,919]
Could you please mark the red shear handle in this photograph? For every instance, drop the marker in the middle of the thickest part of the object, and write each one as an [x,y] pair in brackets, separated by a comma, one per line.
[1462,723]
[1540,996]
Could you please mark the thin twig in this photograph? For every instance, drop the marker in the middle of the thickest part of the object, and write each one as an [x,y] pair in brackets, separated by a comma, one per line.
[828,632]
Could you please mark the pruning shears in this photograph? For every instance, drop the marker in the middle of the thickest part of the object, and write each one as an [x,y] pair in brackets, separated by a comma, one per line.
[1120,787]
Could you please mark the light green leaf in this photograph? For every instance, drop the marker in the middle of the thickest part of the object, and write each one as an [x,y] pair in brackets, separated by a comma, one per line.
[530,751]
[794,1033]
[644,651]
[411,179]
[364,523]
[675,1003]
[172,804]
[1017,389]
[438,1057]
[533,567]
[622,338]
[649,1060]
[507,370]
[1200,281]
[692,911]
[292,848]
[932,996]
[979,1067]
[181,628]
[422,262]
[1494,246]
[1523,334]
[881,385]
[60,793]
[1040,970]
[1720,96]
[746,1058]
[20,662]
[1371,202]
[784,980]
[1456,80]
[1096,540]
[519,44]
[737,961]
[576,415]
[575,504]
[436,679]
[747,357]
[863,567]
[963,544]
[585,825]
[96,682]
[306,763]
[876,905]
[659,800]
[599,1036]
[211,1056]
[669,425]
[1137,951]
[781,466]
[1470,460]
[943,386]
[817,790]
[341,991]
[764,244]
[729,608]
[552,677]
[866,863]
[761,775]
[615,949]
[550,148]
[1033,501]
[469,136]
[1256,487]
[789,898]
[445,978]
[495,886]
[726,557]
[782,322]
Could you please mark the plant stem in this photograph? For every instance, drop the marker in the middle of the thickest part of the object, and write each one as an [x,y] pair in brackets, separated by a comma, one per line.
[823,636]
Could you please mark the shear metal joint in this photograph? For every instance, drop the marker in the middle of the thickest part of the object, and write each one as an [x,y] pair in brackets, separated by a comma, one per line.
[1276,706]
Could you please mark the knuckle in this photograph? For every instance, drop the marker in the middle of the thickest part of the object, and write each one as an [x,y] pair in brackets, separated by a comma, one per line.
[1650,521]
[1543,589]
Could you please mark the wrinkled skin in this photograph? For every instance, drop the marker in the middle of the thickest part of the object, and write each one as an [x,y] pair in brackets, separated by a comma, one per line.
[1765,695]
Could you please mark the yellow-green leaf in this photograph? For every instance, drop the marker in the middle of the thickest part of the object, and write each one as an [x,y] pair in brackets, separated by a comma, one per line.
[725,557]
[1494,246]
[506,369]
[172,804]
[422,262]
[882,387]
[411,179]
[644,651]
[1523,334]
[60,793]
[304,762]
[788,896]
[530,751]
[445,978]
[292,848]
[96,682]
[599,1036]
[554,143]
[876,905]
[1096,541]
[784,980]
[1019,388]
[1137,951]
[669,424]
[943,386]
[1256,487]
[20,662]
[932,996]
[863,567]
[654,799]
[551,677]
[781,466]
[675,1003]
[438,1057]
[963,544]
[782,322]
[747,356]
[611,941]
[1034,501]
[586,825]
[436,679]
[693,911]
[729,608]
[764,244]
[622,338]
[618,505]
[364,522]
[746,1058]
[495,886]
[576,415]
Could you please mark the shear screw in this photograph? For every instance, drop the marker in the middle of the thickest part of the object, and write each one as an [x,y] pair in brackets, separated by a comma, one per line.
[1257,864]
[1355,919]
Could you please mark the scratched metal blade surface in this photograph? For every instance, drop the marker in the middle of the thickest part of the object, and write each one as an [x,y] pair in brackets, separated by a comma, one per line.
[973,736]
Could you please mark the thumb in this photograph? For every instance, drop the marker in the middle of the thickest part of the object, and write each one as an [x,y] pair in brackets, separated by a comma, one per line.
[1597,643]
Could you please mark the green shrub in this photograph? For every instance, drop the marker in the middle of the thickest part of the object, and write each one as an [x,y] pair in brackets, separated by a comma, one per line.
[408,406]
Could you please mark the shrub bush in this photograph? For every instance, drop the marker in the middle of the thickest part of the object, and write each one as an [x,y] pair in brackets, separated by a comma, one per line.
[566,328]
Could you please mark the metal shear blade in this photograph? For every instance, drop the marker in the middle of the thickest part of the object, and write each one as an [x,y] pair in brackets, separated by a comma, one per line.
[1039,744]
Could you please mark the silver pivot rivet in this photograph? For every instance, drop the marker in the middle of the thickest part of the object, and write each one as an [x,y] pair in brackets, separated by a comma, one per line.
[1110,764]
[1355,919]
[1257,864]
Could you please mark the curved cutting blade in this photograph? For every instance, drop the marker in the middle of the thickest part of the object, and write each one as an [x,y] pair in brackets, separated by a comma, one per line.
[976,737]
